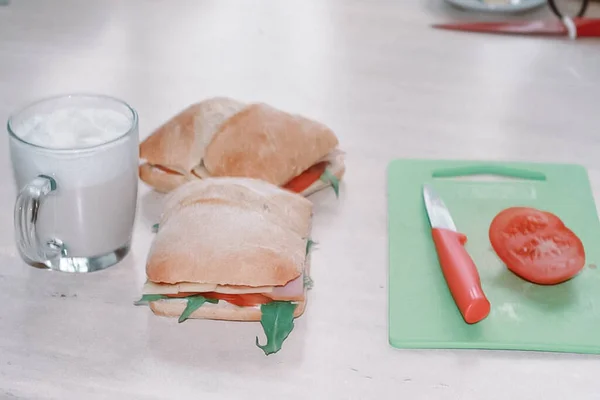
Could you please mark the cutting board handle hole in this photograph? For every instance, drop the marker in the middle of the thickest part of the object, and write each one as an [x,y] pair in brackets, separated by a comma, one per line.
[488,173]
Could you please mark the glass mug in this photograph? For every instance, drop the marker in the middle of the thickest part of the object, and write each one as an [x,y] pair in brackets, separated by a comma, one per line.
[75,161]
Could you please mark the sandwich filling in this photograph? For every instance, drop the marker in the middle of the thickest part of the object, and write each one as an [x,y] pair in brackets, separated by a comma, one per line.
[319,171]
[245,297]
[293,290]
[242,296]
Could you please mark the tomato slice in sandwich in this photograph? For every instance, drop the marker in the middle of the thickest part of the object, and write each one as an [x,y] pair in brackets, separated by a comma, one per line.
[242,300]
[307,178]
[536,245]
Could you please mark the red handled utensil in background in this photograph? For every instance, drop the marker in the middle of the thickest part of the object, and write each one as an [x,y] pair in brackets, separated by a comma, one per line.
[573,26]
[581,27]
[457,266]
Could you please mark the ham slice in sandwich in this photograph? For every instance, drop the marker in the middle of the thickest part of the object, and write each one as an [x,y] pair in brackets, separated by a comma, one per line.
[231,249]
[223,137]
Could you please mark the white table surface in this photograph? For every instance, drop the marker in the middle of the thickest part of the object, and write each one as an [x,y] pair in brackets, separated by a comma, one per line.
[389,86]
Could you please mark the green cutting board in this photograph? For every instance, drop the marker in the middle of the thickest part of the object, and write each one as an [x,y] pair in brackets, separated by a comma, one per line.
[523,316]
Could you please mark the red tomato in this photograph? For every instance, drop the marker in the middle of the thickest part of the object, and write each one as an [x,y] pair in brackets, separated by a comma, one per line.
[536,245]
[242,300]
[307,178]
[179,295]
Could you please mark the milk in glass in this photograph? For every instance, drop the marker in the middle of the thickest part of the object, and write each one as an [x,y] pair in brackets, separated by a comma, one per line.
[89,146]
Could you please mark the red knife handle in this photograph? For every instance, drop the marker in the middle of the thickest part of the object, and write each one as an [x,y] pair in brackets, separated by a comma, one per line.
[461,275]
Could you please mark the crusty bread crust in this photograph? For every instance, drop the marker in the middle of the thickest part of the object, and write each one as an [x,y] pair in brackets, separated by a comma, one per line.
[230,231]
[265,143]
[180,142]
[221,311]
[283,207]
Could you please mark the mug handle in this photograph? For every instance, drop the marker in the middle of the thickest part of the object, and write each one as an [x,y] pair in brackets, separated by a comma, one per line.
[27,208]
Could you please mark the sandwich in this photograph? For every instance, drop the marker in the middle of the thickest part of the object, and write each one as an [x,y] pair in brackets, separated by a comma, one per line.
[234,249]
[223,137]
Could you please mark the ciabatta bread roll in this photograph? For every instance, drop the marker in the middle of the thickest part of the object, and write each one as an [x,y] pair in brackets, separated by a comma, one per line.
[222,137]
[241,241]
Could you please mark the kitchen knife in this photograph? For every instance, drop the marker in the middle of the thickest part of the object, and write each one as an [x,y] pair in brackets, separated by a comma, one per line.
[457,266]
[581,27]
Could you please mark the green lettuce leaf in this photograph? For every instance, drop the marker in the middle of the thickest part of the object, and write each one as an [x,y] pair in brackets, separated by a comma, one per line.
[328,177]
[309,245]
[308,282]
[194,302]
[277,321]
[146,298]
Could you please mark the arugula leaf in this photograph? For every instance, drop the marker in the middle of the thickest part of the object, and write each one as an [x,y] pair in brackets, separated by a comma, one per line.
[309,244]
[328,177]
[146,298]
[308,282]
[155,228]
[194,302]
[277,320]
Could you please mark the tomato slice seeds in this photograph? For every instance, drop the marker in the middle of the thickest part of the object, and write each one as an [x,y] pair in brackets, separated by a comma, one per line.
[536,245]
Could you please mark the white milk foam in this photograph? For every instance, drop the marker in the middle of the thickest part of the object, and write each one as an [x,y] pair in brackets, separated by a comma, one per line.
[93,207]
[73,128]
[67,136]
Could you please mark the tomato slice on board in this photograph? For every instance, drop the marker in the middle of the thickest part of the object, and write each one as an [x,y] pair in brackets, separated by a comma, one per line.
[242,300]
[307,178]
[536,245]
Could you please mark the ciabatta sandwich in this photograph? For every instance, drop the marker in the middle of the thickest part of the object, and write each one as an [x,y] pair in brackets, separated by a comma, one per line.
[231,249]
[223,137]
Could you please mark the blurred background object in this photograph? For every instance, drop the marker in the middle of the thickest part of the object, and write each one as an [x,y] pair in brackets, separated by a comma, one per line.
[568,8]
[498,6]
[570,21]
